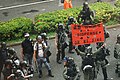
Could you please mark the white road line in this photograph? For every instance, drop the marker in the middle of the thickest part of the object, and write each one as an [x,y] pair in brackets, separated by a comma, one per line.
[25,5]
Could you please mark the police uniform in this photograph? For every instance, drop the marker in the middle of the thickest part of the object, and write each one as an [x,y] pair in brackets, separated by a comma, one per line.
[102,61]
[60,42]
[88,62]
[86,15]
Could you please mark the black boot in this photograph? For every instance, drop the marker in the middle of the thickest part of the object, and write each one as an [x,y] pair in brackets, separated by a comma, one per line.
[40,74]
[50,73]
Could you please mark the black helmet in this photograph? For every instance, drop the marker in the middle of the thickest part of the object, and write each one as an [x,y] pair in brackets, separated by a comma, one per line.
[23,64]
[89,49]
[118,37]
[71,19]
[60,26]
[11,52]
[85,4]
[43,35]
[3,45]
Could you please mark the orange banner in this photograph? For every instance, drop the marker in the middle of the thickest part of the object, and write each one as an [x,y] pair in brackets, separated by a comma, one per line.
[87,34]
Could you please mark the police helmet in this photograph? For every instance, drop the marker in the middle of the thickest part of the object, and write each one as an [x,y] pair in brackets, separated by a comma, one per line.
[24,64]
[89,49]
[3,45]
[11,51]
[118,37]
[85,4]
[43,35]
[71,19]
[60,26]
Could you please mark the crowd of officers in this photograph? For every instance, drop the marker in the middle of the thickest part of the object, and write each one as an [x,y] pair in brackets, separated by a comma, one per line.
[12,67]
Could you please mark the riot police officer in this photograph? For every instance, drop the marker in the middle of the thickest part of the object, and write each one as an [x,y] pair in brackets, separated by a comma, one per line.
[102,61]
[71,71]
[86,15]
[3,56]
[117,47]
[60,42]
[117,55]
[88,62]
[70,21]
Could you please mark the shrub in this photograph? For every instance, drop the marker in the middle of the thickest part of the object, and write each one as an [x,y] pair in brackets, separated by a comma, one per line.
[104,13]
[117,3]
[15,28]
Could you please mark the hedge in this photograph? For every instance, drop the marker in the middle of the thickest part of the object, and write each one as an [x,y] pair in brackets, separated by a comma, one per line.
[105,12]
[117,3]
[15,28]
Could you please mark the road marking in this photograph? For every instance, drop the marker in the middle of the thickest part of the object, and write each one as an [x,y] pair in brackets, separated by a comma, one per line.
[25,5]
[1,6]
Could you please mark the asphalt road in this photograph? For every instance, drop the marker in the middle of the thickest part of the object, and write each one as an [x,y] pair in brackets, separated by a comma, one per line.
[10,9]
[58,68]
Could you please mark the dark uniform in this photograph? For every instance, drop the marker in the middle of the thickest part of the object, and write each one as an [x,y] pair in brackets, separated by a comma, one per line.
[70,21]
[117,55]
[71,71]
[86,15]
[3,56]
[60,42]
[88,62]
[27,49]
[102,61]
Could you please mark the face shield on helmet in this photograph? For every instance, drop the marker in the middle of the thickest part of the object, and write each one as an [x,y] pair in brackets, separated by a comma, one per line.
[11,52]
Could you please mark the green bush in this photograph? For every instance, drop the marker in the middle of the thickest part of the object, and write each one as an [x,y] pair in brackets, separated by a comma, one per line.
[104,12]
[117,3]
[15,28]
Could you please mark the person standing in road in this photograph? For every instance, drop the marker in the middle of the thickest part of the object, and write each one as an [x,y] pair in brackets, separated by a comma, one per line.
[3,56]
[60,42]
[67,4]
[40,56]
[27,49]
